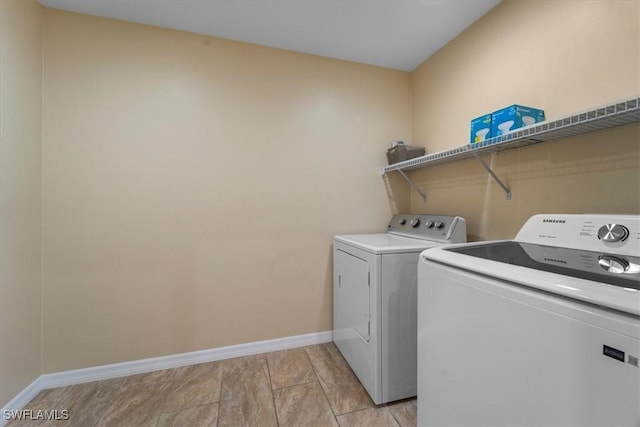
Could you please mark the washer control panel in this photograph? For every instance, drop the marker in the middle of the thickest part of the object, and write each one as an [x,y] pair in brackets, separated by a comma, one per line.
[609,234]
[441,228]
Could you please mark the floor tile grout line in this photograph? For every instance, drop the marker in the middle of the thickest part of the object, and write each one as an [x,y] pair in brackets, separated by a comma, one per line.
[353,374]
[273,399]
[220,366]
[190,407]
[393,417]
[219,401]
[324,392]
[104,412]
[297,385]
[164,403]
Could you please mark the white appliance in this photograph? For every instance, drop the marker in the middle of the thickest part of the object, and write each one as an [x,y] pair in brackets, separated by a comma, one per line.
[542,330]
[374,299]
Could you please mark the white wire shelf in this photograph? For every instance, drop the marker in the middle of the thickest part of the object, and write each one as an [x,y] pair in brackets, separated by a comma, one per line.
[608,116]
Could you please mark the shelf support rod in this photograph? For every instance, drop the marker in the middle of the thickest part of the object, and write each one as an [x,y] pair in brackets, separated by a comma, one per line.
[424,196]
[507,192]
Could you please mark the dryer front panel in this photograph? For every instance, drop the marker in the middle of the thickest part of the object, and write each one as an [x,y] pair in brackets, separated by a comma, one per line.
[354,289]
[356,276]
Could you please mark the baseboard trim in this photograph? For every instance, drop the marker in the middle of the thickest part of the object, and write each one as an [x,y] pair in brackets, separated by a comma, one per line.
[142,366]
[18,402]
[116,370]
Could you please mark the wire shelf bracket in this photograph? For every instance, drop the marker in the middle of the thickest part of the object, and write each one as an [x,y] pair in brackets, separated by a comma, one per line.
[507,191]
[414,186]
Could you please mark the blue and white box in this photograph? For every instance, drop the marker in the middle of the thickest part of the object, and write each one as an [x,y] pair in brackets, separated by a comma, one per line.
[481,128]
[513,117]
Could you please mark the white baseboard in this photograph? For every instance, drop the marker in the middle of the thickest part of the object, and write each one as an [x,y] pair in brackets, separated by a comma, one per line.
[116,370]
[142,366]
[18,402]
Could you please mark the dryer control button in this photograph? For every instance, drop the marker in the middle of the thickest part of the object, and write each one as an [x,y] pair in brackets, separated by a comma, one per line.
[429,224]
[415,222]
[439,224]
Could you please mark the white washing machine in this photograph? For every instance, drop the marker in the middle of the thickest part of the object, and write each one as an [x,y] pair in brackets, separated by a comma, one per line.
[542,330]
[374,299]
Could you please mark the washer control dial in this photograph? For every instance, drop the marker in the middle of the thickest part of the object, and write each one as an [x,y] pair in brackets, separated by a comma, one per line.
[439,224]
[613,264]
[415,222]
[403,221]
[429,224]
[613,233]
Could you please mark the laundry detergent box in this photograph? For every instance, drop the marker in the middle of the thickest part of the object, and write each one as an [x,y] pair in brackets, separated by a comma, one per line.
[513,117]
[481,128]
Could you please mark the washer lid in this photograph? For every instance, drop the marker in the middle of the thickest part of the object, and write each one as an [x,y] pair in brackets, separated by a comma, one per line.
[616,270]
[385,243]
[510,261]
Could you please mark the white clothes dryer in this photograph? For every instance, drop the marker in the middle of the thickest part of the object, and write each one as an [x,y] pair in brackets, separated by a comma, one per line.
[374,299]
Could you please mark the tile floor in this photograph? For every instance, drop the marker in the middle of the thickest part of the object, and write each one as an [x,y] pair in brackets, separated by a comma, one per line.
[308,386]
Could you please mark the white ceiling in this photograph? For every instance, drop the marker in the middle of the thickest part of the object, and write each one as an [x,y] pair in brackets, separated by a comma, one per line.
[398,34]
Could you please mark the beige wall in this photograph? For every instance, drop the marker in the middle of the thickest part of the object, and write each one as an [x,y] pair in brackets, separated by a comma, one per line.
[20,194]
[192,186]
[562,56]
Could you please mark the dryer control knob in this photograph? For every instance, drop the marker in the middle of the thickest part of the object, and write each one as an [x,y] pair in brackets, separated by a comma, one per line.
[613,232]
[428,224]
[403,221]
[415,222]
[439,224]
[613,264]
